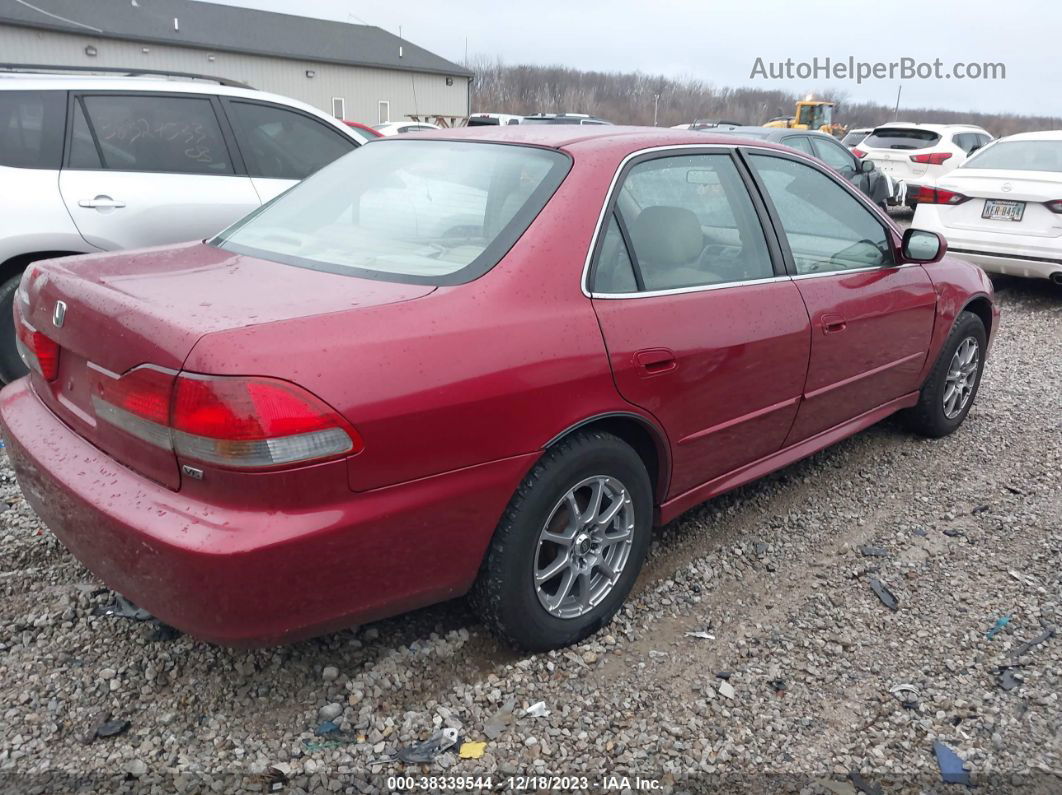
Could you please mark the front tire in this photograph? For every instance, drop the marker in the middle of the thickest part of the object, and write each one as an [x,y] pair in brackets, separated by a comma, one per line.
[952,385]
[570,544]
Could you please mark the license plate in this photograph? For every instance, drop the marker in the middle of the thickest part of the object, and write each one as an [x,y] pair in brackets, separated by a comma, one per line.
[1001,210]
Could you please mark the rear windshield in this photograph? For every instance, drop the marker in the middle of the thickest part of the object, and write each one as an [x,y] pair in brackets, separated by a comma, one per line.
[901,138]
[483,121]
[423,212]
[31,128]
[1019,156]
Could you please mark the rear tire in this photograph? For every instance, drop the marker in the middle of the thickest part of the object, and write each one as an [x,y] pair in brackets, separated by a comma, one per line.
[949,391]
[11,365]
[556,522]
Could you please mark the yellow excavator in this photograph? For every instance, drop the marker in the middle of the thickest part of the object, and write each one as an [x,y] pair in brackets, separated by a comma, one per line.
[811,114]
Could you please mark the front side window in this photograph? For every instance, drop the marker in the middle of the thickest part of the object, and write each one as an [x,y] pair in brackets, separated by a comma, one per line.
[281,144]
[31,128]
[826,227]
[690,222]
[141,132]
[425,212]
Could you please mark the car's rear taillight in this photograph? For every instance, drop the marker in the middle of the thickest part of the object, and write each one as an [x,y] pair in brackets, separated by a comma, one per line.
[255,422]
[859,153]
[927,195]
[934,159]
[1054,206]
[228,421]
[39,352]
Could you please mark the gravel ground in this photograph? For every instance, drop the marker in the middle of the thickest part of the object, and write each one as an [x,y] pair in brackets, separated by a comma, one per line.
[790,693]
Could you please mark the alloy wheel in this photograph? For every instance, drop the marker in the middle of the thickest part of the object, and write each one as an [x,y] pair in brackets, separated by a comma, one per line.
[583,546]
[961,377]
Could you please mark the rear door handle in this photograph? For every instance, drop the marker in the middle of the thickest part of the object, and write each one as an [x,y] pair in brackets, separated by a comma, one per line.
[102,202]
[656,360]
[832,324]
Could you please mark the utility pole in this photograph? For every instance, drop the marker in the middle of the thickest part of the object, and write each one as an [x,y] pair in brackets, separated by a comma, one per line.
[656,107]
[896,113]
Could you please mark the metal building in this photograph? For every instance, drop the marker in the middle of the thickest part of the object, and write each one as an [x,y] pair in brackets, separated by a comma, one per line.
[356,72]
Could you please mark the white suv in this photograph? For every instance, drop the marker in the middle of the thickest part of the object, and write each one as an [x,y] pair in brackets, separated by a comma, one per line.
[917,154]
[103,163]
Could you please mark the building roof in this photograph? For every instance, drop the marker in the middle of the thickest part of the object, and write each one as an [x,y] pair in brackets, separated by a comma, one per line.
[228,29]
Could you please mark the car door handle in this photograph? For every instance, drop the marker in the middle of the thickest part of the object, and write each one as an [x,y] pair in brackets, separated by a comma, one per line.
[102,203]
[832,324]
[656,360]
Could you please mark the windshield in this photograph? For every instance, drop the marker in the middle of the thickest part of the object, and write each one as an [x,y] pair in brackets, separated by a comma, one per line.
[1019,156]
[425,212]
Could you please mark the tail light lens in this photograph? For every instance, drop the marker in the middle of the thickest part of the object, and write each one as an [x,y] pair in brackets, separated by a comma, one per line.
[1054,206]
[859,153]
[228,421]
[934,159]
[928,195]
[39,352]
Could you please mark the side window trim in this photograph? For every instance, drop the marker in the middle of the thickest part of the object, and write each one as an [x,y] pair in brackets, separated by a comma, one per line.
[621,222]
[78,97]
[787,252]
[776,252]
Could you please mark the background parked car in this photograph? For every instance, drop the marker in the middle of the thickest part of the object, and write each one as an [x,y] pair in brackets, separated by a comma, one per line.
[563,118]
[917,154]
[397,127]
[827,149]
[366,132]
[493,119]
[854,137]
[1002,208]
[104,163]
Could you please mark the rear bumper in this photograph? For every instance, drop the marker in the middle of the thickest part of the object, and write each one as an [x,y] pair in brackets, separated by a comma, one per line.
[239,577]
[993,262]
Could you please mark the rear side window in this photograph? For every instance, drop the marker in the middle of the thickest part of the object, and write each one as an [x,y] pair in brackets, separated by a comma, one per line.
[901,138]
[142,132]
[282,144]
[691,222]
[799,142]
[31,128]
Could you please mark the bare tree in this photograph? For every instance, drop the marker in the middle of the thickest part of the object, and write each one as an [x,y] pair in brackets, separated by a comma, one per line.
[636,98]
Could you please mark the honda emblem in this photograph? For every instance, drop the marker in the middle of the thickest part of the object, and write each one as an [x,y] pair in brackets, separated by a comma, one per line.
[59,315]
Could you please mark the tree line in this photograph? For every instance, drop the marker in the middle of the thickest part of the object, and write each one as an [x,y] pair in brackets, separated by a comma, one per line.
[635,98]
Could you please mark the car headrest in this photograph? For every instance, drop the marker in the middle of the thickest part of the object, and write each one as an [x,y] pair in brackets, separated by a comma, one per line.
[667,235]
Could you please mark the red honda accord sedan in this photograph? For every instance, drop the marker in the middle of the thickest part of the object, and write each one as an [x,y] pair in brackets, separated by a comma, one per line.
[481,360]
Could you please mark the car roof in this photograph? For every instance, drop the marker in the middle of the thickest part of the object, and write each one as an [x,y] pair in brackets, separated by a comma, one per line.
[22,81]
[938,128]
[583,138]
[1041,135]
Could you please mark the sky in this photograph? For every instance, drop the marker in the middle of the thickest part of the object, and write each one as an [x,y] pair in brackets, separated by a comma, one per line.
[719,42]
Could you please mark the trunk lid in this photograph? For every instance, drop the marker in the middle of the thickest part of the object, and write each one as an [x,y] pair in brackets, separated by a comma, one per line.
[1023,193]
[150,307]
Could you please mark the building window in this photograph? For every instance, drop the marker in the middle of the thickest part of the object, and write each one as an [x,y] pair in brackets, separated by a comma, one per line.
[339,108]
[385,111]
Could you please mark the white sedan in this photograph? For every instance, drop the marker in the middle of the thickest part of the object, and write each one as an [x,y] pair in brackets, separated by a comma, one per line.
[1002,209]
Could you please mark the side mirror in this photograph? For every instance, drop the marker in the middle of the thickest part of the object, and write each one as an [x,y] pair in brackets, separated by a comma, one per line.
[920,245]
[865,166]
